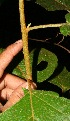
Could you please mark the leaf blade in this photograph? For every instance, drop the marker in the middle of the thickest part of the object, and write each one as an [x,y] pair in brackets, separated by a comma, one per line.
[48,106]
[53,5]
[62,80]
[41,54]
[36,56]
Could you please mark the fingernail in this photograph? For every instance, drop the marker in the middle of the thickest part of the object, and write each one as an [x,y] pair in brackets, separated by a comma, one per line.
[19,41]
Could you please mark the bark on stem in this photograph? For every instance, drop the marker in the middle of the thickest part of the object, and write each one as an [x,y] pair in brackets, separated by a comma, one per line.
[46,26]
[24,31]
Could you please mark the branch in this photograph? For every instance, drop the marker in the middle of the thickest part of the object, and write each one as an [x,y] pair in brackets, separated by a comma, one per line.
[24,31]
[63,47]
[46,26]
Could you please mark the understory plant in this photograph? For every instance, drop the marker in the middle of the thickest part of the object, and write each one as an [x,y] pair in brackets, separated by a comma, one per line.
[41,65]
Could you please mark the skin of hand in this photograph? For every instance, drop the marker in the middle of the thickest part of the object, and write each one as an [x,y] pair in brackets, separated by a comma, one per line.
[10,85]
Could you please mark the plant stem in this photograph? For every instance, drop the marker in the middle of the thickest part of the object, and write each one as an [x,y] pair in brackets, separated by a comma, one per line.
[62,47]
[24,31]
[46,26]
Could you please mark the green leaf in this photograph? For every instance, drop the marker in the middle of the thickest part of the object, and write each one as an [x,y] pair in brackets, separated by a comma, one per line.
[45,57]
[65,30]
[20,70]
[65,3]
[47,106]
[67,16]
[52,5]
[62,80]
[40,70]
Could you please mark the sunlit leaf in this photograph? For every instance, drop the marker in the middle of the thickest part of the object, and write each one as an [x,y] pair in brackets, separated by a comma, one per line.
[46,64]
[47,106]
[62,80]
[20,70]
[43,64]
[65,30]
[54,4]
[67,16]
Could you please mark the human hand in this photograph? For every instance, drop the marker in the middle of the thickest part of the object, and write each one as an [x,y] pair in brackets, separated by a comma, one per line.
[10,85]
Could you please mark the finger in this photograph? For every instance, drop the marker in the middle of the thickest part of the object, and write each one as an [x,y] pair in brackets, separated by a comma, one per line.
[8,54]
[5,94]
[10,81]
[17,95]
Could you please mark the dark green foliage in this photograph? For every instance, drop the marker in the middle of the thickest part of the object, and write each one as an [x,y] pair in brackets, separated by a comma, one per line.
[47,106]
[62,80]
[41,71]
[52,5]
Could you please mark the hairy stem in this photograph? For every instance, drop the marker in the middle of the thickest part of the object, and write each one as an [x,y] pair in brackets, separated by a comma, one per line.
[24,31]
[46,26]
